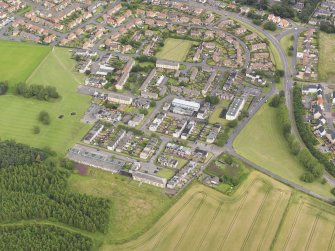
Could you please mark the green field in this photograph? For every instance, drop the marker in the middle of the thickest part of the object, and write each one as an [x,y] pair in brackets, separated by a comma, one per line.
[18,60]
[262,215]
[175,49]
[19,115]
[286,42]
[327,57]
[165,173]
[270,150]
[134,207]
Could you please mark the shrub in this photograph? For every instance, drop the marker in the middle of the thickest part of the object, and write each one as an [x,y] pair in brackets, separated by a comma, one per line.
[36,130]
[44,117]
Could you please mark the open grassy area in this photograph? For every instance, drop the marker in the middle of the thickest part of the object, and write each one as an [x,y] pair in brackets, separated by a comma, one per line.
[215,116]
[262,142]
[18,60]
[165,173]
[175,49]
[134,207]
[19,115]
[327,57]
[257,217]
[286,42]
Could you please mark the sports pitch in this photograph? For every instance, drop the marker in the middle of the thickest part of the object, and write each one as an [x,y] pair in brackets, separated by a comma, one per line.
[175,49]
[19,115]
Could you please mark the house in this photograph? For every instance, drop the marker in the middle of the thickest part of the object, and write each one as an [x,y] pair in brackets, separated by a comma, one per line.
[309,89]
[317,112]
[321,131]
[331,136]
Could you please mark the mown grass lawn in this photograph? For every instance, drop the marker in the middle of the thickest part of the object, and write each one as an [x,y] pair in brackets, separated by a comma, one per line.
[18,60]
[175,49]
[261,142]
[19,115]
[327,57]
[286,42]
[135,207]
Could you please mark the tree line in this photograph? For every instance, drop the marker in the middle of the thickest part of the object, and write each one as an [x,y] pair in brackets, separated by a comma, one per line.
[312,166]
[42,237]
[39,92]
[306,134]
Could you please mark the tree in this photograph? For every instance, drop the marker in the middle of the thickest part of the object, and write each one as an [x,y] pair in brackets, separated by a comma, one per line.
[269,25]
[44,117]
[152,104]
[307,177]
[232,123]
[275,101]
[213,100]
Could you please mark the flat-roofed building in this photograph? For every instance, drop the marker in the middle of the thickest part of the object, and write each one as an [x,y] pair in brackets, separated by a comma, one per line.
[187,105]
[235,108]
[149,179]
[166,64]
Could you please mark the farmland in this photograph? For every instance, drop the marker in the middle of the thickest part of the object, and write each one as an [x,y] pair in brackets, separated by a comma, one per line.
[271,151]
[19,115]
[327,59]
[252,217]
[175,49]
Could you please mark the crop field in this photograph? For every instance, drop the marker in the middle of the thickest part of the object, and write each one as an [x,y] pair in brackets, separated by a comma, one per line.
[246,221]
[262,215]
[19,115]
[327,57]
[270,150]
[307,227]
[175,49]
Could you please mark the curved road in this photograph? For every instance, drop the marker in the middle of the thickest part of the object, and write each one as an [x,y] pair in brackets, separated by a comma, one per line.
[288,83]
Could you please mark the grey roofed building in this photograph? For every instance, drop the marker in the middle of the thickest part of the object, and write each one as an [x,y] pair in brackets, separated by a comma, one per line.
[234,108]
[149,179]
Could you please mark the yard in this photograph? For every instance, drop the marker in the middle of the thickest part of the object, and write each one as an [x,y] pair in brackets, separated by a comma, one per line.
[19,115]
[134,207]
[175,49]
[216,115]
[165,173]
[327,57]
[270,150]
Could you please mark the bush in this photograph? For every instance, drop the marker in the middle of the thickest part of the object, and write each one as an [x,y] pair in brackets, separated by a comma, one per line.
[44,117]
[333,190]
[3,87]
[307,177]
[271,26]
[36,130]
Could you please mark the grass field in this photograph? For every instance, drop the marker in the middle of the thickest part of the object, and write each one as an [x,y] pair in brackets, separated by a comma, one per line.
[215,116]
[286,42]
[134,207]
[175,49]
[19,115]
[261,215]
[18,60]
[165,173]
[327,57]
[270,150]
